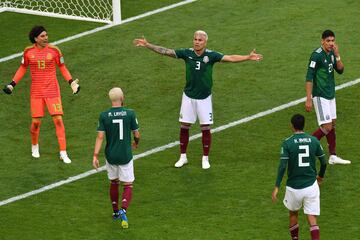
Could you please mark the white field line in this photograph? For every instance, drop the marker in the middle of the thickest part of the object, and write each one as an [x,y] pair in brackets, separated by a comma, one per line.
[95,30]
[170,145]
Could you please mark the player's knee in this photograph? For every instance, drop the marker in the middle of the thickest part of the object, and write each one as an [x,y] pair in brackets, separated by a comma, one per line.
[328,127]
[128,184]
[35,126]
[205,127]
[185,125]
[115,181]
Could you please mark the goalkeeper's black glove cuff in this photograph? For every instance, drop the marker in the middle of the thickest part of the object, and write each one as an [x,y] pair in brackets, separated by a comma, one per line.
[9,88]
[13,83]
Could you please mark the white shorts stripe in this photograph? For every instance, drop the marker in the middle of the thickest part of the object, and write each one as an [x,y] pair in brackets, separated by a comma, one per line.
[325,110]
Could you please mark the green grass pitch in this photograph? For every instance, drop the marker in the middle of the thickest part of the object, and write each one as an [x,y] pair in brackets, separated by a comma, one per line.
[232,200]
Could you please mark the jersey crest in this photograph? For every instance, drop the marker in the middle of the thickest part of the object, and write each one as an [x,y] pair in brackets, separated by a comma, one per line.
[206,59]
[49,56]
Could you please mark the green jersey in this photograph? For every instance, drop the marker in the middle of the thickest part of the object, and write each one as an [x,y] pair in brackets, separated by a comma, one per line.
[118,123]
[299,153]
[321,73]
[198,71]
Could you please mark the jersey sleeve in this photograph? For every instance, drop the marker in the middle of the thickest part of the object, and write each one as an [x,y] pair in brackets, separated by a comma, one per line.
[217,56]
[59,58]
[134,122]
[312,67]
[101,126]
[25,59]
[284,158]
[180,53]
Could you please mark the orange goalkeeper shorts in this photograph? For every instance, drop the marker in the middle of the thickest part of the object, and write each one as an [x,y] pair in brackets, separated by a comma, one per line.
[53,105]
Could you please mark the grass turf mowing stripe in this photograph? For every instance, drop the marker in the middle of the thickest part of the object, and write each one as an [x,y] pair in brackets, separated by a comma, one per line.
[170,145]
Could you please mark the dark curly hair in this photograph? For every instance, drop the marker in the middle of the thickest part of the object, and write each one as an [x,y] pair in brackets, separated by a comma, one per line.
[35,31]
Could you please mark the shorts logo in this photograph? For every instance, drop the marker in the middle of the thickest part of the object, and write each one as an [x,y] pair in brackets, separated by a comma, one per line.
[312,64]
[206,59]
[327,117]
[181,116]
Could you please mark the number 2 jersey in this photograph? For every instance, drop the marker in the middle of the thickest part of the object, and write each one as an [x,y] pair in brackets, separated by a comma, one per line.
[118,124]
[42,63]
[198,71]
[299,153]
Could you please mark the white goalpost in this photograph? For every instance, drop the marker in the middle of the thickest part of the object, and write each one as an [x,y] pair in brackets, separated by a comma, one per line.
[105,11]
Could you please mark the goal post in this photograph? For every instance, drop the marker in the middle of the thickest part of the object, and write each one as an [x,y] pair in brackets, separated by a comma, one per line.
[104,11]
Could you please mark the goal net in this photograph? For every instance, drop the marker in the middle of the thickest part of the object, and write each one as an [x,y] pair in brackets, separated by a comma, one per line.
[107,11]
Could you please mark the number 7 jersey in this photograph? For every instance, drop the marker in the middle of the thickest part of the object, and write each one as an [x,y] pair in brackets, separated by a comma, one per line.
[299,153]
[118,124]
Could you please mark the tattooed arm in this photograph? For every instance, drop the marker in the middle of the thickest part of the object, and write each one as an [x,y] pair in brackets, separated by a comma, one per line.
[142,42]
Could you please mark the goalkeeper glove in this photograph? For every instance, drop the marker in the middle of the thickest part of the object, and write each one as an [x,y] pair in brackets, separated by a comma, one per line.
[74,84]
[8,89]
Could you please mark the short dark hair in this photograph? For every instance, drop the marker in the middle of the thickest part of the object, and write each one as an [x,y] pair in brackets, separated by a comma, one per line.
[298,121]
[34,32]
[327,33]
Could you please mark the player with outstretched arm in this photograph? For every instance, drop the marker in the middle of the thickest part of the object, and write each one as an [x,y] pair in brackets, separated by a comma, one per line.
[197,98]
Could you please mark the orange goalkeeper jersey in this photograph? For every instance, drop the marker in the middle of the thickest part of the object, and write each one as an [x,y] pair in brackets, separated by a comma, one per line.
[42,64]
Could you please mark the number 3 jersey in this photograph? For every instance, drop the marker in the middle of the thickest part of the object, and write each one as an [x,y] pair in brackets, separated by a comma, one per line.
[198,71]
[118,124]
[42,64]
[299,153]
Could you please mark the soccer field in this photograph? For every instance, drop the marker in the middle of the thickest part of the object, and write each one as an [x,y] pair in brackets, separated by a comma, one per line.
[232,200]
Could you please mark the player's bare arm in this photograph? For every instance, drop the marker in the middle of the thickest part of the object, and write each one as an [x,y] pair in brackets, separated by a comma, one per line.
[274,194]
[98,144]
[339,63]
[142,42]
[308,102]
[253,56]
[135,144]
[319,180]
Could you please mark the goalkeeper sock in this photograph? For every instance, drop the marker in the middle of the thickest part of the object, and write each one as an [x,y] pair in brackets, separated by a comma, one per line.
[35,131]
[126,196]
[60,133]
[114,194]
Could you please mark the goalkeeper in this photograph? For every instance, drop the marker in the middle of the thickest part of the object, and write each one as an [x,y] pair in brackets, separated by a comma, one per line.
[42,59]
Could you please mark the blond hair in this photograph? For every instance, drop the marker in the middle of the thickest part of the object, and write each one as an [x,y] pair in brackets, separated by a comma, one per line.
[116,94]
[201,32]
